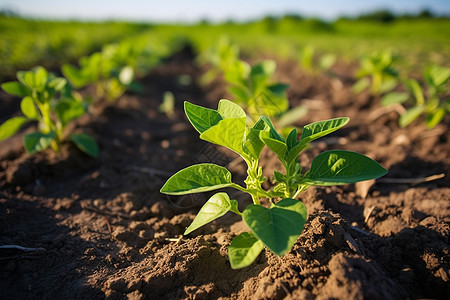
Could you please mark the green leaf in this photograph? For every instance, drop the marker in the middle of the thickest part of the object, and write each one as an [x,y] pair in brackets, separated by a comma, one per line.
[40,77]
[58,83]
[218,205]
[394,98]
[361,85]
[410,115]
[197,178]
[11,126]
[437,75]
[15,88]
[74,75]
[260,74]
[277,227]
[278,88]
[68,110]
[416,90]
[319,129]
[435,118]
[278,147]
[240,93]
[229,133]
[273,132]
[342,167]
[200,117]
[327,61]
[253,144]
[85,143]
[228,109]
[268,103]
[29,109]
[291,140]
[244,249]
[38,141]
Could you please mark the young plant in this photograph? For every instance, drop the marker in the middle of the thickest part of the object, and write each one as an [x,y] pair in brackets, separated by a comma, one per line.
[278,226]
[430,101]
[308,63]
[48,100]
[251,88]
[220,57]
[111,81]
[376,72]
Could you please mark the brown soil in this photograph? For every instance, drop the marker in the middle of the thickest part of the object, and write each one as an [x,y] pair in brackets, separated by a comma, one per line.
[106,231]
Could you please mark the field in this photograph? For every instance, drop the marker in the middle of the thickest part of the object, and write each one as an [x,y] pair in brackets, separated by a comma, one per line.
[100,227]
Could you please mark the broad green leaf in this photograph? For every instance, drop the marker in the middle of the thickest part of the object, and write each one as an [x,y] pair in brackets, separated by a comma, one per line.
[15,88]
[74,75]
[435,118]
[292,115]
[437,75]
[197,178]
[260,74]
[319,129]
[68,110]
[40,77]
[253,144]
[243,250]
[388,85]
[229,133]
[416,90]
[273,132]
[291,140]
[11,126]
[85,143]
[58,83]
[218,205]
[410,115]
[278,88]
[394,98]
[240,93]
[228,109]
[200,117]
[278,147]
[37,141]
[277,227]
[342,167]
[327,61]
[361,85]
[268,103]
[29,109]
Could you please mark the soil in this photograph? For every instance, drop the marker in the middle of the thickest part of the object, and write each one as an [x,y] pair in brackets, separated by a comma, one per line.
[101,228]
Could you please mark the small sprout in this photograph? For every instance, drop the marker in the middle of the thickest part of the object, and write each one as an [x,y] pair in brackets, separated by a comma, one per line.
[376,73]
[429,101]
[48,100]
[278,226]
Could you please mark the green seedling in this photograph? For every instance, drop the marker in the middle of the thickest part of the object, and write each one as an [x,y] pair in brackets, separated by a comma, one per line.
[376,73]
[220,57]
[309,64]
[433,102]
[251,88]
[48,100]
[98,69]
[275,226]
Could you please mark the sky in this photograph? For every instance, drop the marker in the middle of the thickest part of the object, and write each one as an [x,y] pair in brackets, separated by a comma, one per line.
[195,10]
